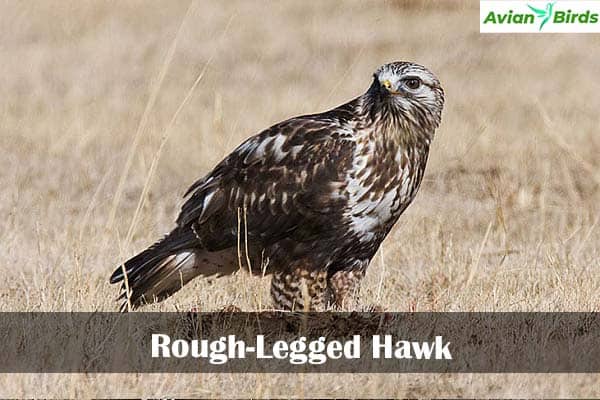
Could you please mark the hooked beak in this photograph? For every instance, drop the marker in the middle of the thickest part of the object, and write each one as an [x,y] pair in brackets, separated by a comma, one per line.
[388,86]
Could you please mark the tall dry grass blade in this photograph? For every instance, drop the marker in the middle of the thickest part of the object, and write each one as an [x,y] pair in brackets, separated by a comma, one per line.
[163,142]
[157,155]
[132,150]
[246,242]
[239,238]
[475,264]
[144,120]
[381,276]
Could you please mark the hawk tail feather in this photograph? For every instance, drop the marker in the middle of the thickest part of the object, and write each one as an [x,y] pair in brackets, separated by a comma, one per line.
[159,271]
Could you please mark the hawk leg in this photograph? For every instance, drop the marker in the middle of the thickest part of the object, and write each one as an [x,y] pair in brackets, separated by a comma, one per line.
[345,285]
[300,289]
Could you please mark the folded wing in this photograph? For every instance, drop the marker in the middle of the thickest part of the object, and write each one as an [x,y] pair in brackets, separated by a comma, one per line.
[281,183]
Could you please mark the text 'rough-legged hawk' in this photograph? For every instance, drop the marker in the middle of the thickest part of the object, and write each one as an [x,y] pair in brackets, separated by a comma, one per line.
[308,200]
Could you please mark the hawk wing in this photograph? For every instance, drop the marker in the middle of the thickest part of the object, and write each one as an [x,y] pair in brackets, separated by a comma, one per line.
[283,182]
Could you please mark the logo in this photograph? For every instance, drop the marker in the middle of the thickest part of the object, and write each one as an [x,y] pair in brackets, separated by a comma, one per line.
[545,15]
[539,16]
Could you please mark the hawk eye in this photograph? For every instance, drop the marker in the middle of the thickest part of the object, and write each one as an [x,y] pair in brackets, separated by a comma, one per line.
[412,83]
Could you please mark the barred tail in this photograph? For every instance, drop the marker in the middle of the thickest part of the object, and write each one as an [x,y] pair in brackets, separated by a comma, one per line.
[159,271]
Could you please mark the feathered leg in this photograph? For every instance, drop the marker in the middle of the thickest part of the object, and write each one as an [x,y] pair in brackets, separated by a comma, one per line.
[345,286]
[300,289]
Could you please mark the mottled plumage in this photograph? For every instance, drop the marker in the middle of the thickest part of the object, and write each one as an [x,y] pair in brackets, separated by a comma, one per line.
[308,200]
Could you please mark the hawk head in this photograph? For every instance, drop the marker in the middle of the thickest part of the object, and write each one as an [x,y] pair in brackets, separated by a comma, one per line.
[409,93]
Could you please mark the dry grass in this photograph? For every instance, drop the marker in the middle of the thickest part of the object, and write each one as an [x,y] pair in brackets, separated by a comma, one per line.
[507,219]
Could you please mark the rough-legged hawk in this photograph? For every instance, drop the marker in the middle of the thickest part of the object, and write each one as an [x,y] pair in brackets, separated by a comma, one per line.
[309,200]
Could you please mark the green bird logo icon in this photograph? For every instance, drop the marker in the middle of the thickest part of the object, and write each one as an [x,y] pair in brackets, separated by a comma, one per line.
[544,14]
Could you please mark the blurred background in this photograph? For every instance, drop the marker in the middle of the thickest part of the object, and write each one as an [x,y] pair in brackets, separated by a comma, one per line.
[110,110]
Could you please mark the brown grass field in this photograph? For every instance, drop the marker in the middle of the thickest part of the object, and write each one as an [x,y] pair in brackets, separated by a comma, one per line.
[110,110]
